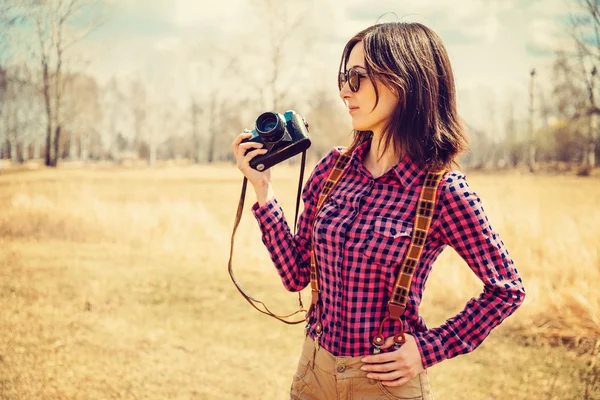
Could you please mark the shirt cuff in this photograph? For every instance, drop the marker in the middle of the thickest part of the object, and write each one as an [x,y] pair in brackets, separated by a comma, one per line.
[269,214]
[430,347]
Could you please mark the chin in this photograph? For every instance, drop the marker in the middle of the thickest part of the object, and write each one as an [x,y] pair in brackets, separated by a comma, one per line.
[357,126]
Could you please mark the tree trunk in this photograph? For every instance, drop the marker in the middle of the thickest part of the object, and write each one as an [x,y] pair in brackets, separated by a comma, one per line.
[56,146]
[48,155]
[211,128]
[73,153]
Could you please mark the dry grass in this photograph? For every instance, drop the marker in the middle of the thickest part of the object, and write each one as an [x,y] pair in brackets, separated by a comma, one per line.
[114,286]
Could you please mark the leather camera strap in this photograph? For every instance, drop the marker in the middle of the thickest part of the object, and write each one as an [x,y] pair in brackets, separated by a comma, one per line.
[257,304]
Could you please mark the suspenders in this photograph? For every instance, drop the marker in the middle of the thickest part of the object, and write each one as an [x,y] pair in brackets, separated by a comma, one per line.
[399,297]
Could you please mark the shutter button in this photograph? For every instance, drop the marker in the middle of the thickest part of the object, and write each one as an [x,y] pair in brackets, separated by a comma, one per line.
[341,368]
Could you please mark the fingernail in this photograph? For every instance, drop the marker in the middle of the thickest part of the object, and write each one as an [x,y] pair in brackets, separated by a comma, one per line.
[364,360]
[369,376]
[363,368]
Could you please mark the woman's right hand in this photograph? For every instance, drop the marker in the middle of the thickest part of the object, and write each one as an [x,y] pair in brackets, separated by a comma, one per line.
[256,178]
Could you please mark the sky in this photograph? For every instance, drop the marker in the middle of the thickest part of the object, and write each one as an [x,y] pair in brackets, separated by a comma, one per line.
[492,44]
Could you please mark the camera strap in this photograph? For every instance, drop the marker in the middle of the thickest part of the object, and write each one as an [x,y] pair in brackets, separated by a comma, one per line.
[257,304]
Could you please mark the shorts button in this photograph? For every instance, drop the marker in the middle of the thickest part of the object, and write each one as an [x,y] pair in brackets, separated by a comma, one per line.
[341,368]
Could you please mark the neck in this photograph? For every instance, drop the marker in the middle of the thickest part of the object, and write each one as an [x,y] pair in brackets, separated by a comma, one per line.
[377,161]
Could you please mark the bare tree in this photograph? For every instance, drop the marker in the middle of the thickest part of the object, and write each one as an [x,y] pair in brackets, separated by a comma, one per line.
[53,22]
[20,111]
[283,23]
[83,113]
[216,71]
[139,108]
[585,31]
[115,113]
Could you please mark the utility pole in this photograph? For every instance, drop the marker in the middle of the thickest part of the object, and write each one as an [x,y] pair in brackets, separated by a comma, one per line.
[532,165]
[591,147]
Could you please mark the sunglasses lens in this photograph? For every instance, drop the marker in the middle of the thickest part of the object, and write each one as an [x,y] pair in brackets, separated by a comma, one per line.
[341,80]
[354,80]
[352,77]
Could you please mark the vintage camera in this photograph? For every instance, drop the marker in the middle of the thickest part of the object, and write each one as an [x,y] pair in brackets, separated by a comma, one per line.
[283,136]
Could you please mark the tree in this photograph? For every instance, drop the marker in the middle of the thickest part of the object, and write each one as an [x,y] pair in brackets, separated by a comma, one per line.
[83,114]
[56,24]
[585,31]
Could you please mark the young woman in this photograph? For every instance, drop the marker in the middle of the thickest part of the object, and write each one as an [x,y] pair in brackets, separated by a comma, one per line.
[397,83]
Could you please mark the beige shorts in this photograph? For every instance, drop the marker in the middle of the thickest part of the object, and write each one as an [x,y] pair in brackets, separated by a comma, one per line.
[322,376]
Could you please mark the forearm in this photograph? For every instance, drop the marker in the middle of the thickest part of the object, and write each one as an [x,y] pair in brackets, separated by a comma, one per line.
[467,330]
[264,192]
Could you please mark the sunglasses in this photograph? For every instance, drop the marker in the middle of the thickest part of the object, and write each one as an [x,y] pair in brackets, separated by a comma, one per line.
[352,76]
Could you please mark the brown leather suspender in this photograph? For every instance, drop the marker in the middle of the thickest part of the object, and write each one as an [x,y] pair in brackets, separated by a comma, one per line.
[399,297]
[332,180]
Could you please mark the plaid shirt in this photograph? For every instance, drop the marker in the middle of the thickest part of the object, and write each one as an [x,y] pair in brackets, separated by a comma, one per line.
[361,235]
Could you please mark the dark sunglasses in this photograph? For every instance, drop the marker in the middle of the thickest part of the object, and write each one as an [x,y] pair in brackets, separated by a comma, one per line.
[352,76]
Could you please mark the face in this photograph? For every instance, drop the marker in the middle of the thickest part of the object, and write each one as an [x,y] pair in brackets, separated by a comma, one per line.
[360,104]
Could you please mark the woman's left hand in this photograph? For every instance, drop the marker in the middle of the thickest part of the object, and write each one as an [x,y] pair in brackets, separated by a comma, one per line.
[396,367]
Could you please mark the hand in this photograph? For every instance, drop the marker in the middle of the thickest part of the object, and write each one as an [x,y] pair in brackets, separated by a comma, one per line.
[397,367]
[256,178]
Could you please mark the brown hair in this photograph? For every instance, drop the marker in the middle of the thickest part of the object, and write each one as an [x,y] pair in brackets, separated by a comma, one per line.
[410,60]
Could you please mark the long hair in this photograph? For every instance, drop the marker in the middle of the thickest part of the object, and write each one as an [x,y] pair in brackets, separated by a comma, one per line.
[411,60]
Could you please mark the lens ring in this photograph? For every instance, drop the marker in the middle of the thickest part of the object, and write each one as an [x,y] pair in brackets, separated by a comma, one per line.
[270,127]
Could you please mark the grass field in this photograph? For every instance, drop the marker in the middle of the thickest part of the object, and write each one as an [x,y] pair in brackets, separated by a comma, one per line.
[114,286]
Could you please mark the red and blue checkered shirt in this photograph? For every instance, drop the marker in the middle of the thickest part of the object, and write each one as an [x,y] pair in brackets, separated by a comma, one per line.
[361,235]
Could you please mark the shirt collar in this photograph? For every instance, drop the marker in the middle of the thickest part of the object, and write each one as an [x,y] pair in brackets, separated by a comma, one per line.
[406,171]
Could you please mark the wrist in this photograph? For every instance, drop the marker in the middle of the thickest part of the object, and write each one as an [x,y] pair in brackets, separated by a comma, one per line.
[264,192]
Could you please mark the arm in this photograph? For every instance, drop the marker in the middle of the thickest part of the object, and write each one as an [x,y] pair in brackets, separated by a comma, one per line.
[466,228]
[291,252]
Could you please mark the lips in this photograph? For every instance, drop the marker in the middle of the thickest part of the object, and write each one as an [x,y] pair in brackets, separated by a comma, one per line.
[352,109]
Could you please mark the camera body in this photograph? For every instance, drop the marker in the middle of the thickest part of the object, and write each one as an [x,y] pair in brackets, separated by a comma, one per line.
[283,135]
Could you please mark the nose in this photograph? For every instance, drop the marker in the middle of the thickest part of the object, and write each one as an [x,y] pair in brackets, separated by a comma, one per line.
[345,92]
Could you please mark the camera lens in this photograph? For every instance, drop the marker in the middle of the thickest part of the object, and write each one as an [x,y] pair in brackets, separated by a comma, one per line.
[270,127]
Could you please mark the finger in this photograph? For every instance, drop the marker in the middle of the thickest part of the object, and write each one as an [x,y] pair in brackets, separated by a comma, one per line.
[238,139]
[381,358]
[388,376]
[243,153]
[390,366]
[243,148]
[251,154]
[396,382]
[248,145]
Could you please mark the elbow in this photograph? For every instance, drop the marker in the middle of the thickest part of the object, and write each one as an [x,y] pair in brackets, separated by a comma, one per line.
[515,297]
[520,296]
[294,286]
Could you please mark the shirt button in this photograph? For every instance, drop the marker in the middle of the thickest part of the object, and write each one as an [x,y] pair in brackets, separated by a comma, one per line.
[338,324]
[341,368]
[339,285]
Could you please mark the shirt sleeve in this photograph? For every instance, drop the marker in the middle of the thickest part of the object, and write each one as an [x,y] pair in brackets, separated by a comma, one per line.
[465,226]
[291,252]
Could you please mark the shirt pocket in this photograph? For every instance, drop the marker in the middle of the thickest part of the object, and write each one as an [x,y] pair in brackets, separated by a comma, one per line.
[388,242]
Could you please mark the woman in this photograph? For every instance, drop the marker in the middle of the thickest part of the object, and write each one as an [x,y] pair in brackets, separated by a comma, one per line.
[397,83]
